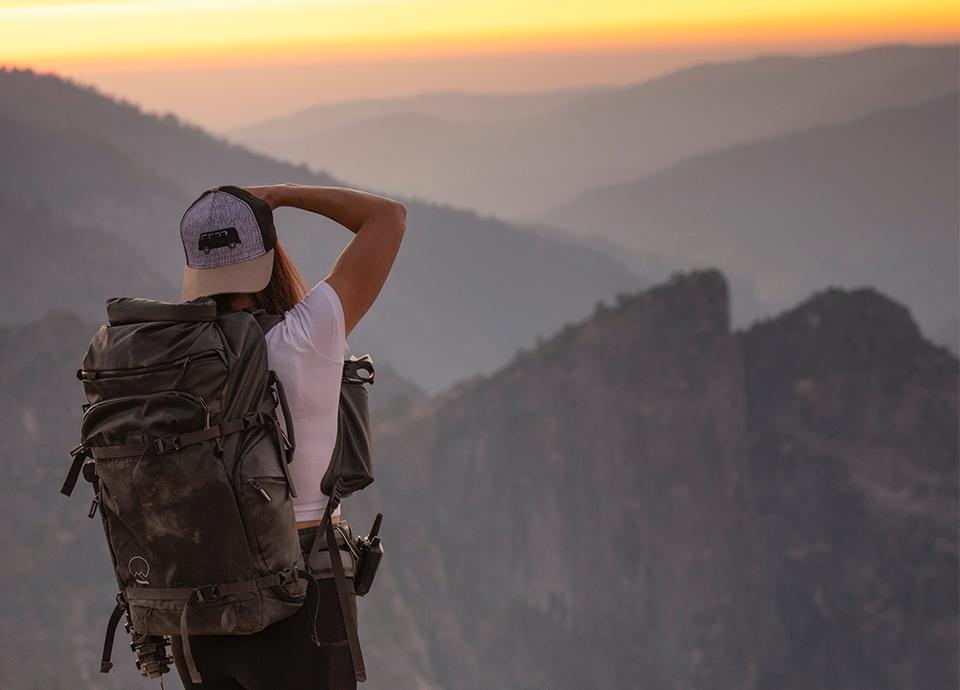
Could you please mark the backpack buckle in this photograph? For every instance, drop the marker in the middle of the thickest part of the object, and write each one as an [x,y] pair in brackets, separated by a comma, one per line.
[206,593]
[162,445]
[287,576]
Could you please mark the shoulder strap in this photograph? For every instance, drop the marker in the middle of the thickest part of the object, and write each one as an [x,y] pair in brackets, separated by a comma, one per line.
[264,320]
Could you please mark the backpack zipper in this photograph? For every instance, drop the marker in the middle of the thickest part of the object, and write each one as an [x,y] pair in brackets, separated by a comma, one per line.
[94,505]
[259,487]
[190,395]
[97,374]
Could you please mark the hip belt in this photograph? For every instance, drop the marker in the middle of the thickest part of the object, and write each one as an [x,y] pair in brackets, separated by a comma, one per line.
[319,564]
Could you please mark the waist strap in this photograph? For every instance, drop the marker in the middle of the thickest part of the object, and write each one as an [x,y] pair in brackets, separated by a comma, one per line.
[208,593]
[178,441]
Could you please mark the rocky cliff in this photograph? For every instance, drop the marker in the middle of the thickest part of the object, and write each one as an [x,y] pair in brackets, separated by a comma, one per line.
[651,500]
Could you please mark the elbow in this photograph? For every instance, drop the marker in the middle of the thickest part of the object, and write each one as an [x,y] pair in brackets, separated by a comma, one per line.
[398,216]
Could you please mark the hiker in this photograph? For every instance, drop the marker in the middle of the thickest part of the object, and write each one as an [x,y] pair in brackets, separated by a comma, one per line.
[306,349]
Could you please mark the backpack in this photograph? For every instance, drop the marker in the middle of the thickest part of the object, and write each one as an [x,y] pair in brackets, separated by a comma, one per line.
[187,456]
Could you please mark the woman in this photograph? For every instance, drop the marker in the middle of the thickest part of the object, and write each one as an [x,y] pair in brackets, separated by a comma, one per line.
[233,255]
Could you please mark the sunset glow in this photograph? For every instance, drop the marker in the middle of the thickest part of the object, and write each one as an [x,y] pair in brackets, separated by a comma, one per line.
[65,35]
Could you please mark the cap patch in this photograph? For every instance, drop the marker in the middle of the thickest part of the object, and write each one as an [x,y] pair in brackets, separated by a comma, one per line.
[216,239]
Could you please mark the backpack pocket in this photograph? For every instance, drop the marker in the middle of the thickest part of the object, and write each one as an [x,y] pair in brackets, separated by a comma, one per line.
[123,420]
[172,519]
[266,504]
[169,516]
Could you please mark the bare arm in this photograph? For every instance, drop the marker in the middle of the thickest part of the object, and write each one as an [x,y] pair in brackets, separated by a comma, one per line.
[360,271]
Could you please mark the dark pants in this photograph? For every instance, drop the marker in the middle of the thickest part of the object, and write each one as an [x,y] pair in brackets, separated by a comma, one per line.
[281,656]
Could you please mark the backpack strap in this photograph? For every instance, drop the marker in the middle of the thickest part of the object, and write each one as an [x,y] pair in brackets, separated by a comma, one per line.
[177,441]
[105,663]
[340,583]
[289,439]
[339,580]
[80,453]
[264,320]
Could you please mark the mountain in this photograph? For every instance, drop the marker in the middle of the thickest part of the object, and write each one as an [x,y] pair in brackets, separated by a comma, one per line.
[454,106]
[55,259]
[645,499]
[648,499]
[101,187]
[869,202]
[518,165]
[55,574]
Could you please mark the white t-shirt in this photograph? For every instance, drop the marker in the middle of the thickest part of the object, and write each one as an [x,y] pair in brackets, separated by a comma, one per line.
[306,349]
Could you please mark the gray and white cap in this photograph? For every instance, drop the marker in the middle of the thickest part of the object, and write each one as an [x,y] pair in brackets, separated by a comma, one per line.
[228,239]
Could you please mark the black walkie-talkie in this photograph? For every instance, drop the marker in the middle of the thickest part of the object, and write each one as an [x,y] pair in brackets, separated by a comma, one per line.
[371,551]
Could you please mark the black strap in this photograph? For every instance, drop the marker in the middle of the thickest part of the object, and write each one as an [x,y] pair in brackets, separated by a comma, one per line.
[340,582]
[168,443]
[209,592]
[339,579]
[264,320]
[284,458]
[80,453]
[332,503]
[288,433]
[312,600]
[185,641]
[105,663]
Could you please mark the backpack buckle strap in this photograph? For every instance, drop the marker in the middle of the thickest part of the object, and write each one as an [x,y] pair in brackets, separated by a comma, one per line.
[105,663]
[79,454]
[166,444]
[185,636]
[206,593]
[287,576]
[253,419]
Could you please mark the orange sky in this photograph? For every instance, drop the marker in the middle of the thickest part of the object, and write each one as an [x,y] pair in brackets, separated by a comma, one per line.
[306,51]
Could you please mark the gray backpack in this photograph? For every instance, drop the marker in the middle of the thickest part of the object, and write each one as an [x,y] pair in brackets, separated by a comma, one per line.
[188,458]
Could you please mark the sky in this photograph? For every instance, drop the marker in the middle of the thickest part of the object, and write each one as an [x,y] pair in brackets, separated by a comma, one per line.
[222,63]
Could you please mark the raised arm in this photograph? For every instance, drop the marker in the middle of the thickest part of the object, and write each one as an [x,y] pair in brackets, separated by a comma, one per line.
[378,223]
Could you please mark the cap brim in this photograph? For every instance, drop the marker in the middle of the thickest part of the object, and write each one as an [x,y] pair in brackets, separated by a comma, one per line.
[247,276]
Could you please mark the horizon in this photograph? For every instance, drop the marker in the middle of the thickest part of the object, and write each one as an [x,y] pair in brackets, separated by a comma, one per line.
[150,106]
[174,56]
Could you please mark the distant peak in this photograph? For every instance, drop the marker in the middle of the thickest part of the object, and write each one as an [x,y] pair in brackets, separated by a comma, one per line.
[703,292]
[834,306]
[689,305]
[840,329]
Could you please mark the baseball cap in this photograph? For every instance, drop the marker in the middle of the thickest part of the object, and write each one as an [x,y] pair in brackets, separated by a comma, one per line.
[228,239]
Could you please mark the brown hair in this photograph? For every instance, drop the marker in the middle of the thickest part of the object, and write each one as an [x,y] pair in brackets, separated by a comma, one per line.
[285,289]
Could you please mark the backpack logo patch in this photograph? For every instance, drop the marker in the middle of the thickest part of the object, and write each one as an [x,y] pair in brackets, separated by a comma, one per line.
[215,239]
[139,569]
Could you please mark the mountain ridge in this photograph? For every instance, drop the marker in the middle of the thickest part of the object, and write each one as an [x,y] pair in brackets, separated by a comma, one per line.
[617,134]
[494,283]
[870,201]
